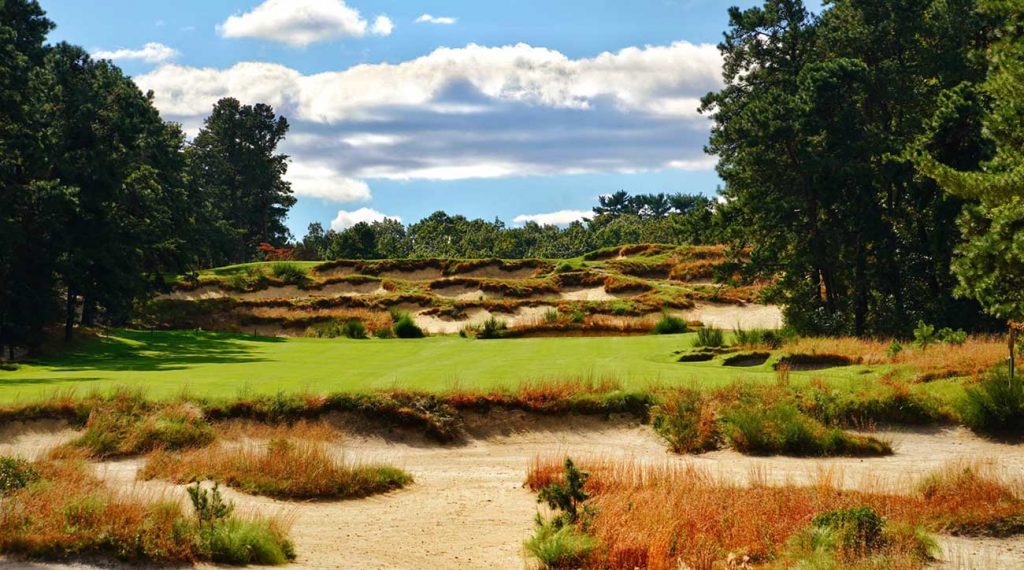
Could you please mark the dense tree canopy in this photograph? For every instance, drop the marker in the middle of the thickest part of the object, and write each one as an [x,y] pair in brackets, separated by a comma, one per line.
[100,197]
[812,131]
[620,219]
[990,264]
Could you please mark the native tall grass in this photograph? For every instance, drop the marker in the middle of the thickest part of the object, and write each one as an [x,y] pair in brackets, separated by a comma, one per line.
[663,517]
[282,468]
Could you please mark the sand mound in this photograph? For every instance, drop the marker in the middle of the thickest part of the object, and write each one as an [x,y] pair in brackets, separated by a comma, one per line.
[587,294]
[497,272]
[460,292]
[32,439]
[728,317]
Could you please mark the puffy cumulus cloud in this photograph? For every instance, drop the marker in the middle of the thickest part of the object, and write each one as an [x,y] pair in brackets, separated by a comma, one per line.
[300,23]
[442,20]
[345,219]
[382,26]
[559,218]
[152,52]
[320,181]
[474,112]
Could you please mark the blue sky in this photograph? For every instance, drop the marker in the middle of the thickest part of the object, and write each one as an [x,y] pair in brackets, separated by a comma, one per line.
[487,109]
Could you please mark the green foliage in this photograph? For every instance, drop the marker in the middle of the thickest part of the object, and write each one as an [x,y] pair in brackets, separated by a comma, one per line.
[995,405]
[15,474]
[250,278]
[492,328]
[289,273]
[812,159]
[338,328]
[669,324]
[756,338]
[859,530]
[406,327]
[687,421]
[926,335]
[894,350]
[561,547]
[710,337]
[229,540]
[127,425]
[566,497]
[355,329]
[551,316]
[765,428]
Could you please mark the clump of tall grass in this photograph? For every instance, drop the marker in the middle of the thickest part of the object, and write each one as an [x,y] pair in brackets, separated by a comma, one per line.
[686,419]
[491,328]
[127,424]
[662,516]
[289,273]
[250,278]
[283,469]
[338,328]
[68,512]
[558,542]
[669,324]
[709,337]
[15,474]
[767,429]
[757,338]
[995,405]
[405,327]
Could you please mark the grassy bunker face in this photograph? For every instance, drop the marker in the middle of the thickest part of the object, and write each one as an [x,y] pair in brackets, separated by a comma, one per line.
[747,360]
[812,362]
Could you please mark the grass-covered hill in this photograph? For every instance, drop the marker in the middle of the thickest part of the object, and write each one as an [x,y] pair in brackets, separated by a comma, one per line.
[618,290]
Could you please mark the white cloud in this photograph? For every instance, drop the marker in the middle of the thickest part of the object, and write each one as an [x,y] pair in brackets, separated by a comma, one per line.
[559,218]
[428,19]
[320,181]
[300,23]
[382,26]
[472,112]
[152,52]
[346,219]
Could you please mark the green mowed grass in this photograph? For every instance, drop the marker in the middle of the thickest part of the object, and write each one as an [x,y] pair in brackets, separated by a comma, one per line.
[167,363]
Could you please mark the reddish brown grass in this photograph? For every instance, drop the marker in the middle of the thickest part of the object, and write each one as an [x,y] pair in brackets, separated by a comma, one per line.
[973,358]
[659,516]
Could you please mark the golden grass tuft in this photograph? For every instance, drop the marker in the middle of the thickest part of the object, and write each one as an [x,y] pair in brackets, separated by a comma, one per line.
[282,468]
[661,516]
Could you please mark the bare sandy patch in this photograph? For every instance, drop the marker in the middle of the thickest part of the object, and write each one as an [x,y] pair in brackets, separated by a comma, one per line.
[425,274]
[197,294]
[468,507]
[496,272]
[728,317]
[460,293]
[32,439]
[434,324]
[587,294]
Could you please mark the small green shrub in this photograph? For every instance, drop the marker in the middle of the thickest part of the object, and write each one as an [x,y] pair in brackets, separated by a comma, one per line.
[228,540]
[710,337]
[384,333]
[577,317]
[492,328]
[758,337]
[926,335]
[566,497]
[760,428]
[355,329]
[995,405]
[8,366]
[950,336]
[895,348]
[406,327]
[128,425]
[859,530]
[563,267]
[687,421]
[289,273]
[249,279]
[15,474]
[563,547]
[551,316]
[670,325]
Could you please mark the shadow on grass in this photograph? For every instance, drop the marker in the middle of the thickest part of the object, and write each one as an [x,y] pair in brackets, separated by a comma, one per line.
[146,351]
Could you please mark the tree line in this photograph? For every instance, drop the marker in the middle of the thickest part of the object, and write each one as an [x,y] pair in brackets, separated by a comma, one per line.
[99,197]
[820,131]
[620,219]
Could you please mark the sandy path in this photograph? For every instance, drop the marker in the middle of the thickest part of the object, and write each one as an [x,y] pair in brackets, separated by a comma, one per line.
[468,509]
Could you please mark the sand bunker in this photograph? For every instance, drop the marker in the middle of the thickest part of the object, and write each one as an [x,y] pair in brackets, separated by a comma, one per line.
[496,272]
[425,274]
[587,294]
[434,324]
[461,293]
[468,507]
[728,317]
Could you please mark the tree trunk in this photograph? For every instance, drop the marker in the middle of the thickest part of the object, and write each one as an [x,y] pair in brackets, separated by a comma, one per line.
[69,317]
